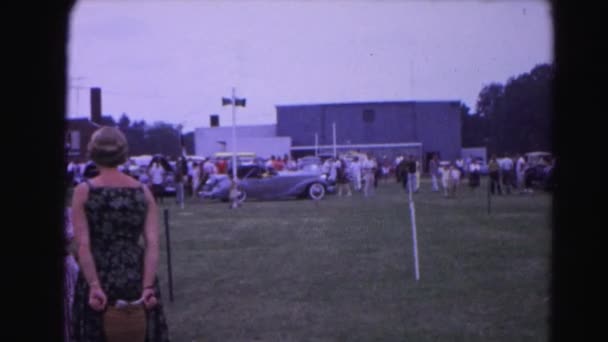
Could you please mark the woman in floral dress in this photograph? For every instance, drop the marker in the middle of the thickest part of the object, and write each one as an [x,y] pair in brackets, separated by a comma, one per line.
[71,274]
[110,215]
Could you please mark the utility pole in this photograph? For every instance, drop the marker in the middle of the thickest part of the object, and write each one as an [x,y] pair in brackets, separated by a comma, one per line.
[234,101]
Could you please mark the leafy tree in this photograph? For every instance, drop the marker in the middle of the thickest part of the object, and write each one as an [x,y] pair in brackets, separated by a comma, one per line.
[107,120]
[515,117]
[124,122]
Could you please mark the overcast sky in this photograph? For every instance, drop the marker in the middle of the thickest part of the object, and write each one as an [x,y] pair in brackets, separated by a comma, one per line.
[174,60]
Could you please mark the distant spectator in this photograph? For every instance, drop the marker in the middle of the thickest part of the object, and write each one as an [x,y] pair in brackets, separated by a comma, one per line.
[453,181]
[222,165]
[368,167]
[181,174]
[278,164]
[507,173]
[270,162]
[445,179]
[460,166]
[494,173]
[411,173]
[474,170]
[355,171]
[342,178]
[156,172]
[402,172]
[434,171]
[333,172]
[196,178]
[520,172]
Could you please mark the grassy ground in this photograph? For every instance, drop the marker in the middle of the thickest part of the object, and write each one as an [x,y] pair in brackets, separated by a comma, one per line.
[344,270]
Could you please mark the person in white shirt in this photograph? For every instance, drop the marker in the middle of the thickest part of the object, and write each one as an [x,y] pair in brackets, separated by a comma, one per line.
[326,168]
[434,171]
[196,178]
[209,167]
[454,180]
[506,172]
[156,172]
[355,171]
[367,168]
[474,169]
[333,173]
[291,165]
[460,166]
[445,179]
[270,163]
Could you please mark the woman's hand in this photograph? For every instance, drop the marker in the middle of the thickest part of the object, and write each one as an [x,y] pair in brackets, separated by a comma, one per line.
[97,298]
[149,298]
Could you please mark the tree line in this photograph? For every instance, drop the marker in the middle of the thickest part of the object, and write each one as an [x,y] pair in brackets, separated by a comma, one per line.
[155,138]
[514,117]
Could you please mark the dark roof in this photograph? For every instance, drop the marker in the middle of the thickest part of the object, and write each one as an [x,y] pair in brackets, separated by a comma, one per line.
[370,103]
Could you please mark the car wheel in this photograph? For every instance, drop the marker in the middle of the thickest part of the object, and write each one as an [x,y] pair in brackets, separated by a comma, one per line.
[316,191]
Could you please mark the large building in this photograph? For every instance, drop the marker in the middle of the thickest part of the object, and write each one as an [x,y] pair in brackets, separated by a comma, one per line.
[382,128]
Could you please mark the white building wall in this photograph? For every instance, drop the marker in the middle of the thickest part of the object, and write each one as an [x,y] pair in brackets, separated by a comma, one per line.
[260,139]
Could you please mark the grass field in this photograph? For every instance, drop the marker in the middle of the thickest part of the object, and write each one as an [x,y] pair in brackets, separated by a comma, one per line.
[344,270]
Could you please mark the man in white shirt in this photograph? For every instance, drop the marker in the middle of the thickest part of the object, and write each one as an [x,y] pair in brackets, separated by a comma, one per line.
[460,167]
[506,170]
[368,167]
[355,169]
[434,171]
[157,175]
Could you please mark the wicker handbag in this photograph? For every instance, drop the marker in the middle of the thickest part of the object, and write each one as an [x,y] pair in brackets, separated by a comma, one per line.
[125,323]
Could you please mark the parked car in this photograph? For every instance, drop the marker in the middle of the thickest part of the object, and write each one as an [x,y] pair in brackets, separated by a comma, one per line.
[309,163]
[540,176]
[255,181]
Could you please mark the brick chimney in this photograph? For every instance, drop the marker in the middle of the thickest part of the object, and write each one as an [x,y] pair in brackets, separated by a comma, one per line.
[96,105]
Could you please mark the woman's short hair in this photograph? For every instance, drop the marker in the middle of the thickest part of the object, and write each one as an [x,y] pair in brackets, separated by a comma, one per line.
[108,147]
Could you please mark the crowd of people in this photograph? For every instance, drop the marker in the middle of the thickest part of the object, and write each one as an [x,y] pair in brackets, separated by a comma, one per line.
[351,172]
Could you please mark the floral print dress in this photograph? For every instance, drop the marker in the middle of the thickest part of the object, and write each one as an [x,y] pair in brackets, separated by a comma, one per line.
[116,217]
[71,275]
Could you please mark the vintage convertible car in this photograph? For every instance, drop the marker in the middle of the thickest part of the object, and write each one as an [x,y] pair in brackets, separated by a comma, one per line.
[255,181]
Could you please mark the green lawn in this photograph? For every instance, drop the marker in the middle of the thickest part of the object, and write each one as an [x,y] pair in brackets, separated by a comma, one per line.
[344,270]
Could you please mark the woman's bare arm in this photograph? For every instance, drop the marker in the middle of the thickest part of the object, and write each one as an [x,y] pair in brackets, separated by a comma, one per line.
[151,231]
[81,235]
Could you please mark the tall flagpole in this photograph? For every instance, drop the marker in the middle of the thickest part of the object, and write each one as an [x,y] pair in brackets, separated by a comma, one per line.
[234,102]
[234,166]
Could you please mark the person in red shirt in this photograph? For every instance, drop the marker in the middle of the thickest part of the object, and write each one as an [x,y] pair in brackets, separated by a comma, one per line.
[278,164]
[221,166]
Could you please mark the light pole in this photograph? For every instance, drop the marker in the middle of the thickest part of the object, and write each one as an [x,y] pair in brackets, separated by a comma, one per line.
[234,101]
